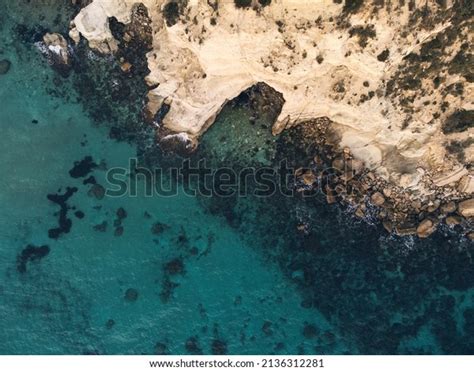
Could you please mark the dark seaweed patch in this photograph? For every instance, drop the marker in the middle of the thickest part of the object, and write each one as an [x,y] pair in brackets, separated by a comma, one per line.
[192,346]
[29,254]
[89,180]
[219,347]
[83,167]
[174,267]
[64,222]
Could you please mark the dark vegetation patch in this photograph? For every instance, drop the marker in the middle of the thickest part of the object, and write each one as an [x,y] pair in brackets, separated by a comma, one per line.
[264,2]
[242,3]
[363,33]
[457,147]
[29,254]
[382,57]
[463,64]
[352,6]
[173,10]
[458,122]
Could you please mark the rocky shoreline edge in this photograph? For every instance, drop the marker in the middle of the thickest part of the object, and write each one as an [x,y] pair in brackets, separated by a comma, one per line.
[402,209]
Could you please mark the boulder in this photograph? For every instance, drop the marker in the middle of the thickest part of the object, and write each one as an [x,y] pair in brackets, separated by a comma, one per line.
[450,207]
[425,228]
[466,208]
[453,220]
[330,198]
[359,213]
[466,184]
[309,178]
[377,199]
[57,52]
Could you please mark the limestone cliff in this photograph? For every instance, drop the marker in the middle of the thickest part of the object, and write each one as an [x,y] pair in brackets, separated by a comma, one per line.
[394,77]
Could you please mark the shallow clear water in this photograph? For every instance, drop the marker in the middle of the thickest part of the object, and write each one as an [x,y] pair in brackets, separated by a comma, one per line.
[247,282]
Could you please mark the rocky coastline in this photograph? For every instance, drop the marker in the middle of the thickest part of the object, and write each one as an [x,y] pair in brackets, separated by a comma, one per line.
[407,164]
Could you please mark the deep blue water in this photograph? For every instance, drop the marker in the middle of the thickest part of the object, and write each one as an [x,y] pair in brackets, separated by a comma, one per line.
[187,275]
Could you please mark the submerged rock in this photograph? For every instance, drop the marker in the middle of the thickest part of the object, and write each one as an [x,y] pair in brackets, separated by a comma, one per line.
[96,191]
[5,65]
[131,295]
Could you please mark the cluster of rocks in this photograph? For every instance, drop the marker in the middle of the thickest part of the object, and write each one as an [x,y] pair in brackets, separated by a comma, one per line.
[341,177]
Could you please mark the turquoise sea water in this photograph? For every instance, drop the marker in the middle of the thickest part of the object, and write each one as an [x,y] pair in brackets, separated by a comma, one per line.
[220,275]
